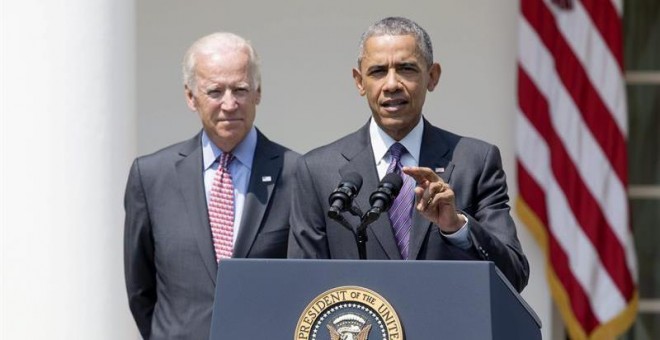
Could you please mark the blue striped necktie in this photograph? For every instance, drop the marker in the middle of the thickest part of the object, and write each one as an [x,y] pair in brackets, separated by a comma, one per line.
[401,211]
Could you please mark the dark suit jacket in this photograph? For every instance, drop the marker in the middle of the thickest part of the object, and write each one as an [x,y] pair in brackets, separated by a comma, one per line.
[473,169]
[169,259]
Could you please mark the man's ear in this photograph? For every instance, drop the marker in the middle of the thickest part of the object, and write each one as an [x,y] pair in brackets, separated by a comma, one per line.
[258,100]
[434,76]
[190,98]
[357,76]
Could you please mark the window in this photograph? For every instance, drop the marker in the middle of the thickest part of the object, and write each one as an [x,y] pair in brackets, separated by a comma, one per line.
[642,63]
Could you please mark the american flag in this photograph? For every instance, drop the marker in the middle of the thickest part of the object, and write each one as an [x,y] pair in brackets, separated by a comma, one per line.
[572,160]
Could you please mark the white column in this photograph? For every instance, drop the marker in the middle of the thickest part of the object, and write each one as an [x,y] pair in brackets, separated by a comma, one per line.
[68,135]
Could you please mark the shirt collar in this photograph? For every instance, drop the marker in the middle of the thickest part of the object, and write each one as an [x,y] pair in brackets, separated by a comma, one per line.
[243,152]
[381,141]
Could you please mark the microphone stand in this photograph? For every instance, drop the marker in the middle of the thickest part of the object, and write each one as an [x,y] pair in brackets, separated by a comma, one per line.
[361,239]
[360,232]
[379,200]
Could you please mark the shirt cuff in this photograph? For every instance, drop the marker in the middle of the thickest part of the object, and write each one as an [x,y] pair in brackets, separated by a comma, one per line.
[460,238]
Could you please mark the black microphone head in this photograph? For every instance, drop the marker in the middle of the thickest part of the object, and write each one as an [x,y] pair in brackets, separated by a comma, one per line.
[353,178]
[387,190]
[342,197]
[393,181]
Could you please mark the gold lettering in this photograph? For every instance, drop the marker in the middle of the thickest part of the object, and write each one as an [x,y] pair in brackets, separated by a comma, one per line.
[312,314]
[393,330]
[327,300]
[382,308]
[334,298]
[302,331]
[319,306]
[386,314]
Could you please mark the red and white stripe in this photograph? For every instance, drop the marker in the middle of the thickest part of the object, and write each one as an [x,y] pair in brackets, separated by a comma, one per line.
[221,210]
[572,161]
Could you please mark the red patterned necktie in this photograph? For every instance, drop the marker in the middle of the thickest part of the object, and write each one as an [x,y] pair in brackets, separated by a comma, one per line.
[221,209]
[401,210]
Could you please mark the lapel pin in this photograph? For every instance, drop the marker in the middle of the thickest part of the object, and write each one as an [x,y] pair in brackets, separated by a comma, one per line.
[439,170]
[266,179]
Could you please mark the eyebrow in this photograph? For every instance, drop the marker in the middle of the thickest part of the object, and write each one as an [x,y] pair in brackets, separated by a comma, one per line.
[408,63]
[396,65]
[376,67]
[211,88]
[219,87]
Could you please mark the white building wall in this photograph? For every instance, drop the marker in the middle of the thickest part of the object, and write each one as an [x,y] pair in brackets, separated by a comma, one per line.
[68,136]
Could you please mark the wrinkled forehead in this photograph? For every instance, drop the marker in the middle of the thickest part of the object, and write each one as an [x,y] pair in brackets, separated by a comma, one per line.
[392,48]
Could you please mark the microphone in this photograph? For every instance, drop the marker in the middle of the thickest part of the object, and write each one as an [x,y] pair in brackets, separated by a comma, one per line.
[341,199]
[382,198]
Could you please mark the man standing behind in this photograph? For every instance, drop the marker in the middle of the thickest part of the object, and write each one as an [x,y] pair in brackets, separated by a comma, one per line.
[458,210]
[224,193]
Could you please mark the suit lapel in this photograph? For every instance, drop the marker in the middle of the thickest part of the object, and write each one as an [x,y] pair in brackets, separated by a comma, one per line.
[266,168]
[434,154]
[191,182]
[361,160]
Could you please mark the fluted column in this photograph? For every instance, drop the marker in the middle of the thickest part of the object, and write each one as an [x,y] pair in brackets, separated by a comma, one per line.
[68,125]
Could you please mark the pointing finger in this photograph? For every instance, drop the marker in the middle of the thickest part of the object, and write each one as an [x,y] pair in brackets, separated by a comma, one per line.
[421,174]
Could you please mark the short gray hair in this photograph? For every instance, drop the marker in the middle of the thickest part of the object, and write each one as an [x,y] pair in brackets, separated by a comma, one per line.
[212,43]
[399,26]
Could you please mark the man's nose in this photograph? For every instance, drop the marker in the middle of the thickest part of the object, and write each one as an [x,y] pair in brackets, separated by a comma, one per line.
[229,102]
[391,81]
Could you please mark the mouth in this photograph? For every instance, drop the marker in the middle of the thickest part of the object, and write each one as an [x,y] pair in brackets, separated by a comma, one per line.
[228,120]
[394,104]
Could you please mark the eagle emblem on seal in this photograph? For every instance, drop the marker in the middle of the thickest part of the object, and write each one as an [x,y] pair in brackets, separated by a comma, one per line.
[349,327]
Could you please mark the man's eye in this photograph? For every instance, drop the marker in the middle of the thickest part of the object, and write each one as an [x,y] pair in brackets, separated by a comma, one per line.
[241,92]
[377,72]
[214,93]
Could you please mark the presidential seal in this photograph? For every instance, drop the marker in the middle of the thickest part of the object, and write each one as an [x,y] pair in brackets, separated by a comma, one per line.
[349,313]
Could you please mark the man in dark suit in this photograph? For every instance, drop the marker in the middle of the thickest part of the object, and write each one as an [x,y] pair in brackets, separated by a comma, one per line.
[224,193]
[453,204]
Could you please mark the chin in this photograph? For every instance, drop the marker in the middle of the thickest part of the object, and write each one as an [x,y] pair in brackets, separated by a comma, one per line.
[396,119]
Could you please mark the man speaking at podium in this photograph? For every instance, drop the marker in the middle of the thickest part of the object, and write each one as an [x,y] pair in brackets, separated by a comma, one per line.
[223,193]
[453,202]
